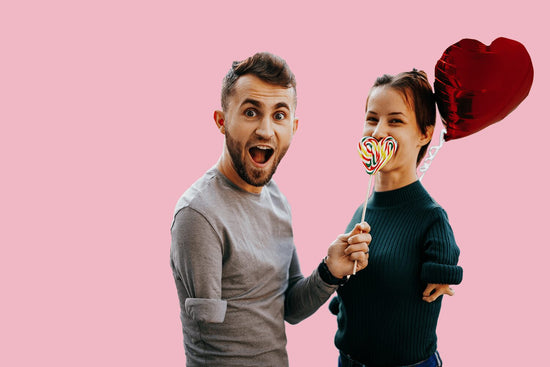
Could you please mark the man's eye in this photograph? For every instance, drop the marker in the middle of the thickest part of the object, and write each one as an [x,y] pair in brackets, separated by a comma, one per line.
[250,113]
[279,116]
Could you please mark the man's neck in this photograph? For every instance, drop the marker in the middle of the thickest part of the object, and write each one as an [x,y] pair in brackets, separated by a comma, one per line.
[225,166]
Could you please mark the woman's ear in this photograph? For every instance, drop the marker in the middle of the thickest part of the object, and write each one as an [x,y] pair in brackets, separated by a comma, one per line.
[427,137]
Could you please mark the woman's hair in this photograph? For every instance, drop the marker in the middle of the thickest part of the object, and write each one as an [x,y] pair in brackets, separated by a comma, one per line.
[268,67]
[418,93]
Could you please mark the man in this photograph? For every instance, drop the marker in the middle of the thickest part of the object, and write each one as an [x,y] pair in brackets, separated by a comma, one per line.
[233,257]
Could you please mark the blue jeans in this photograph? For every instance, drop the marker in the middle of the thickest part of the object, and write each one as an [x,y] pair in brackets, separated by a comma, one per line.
[434,361]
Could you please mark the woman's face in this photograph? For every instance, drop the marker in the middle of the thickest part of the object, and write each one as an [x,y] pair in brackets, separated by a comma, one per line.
[389,114]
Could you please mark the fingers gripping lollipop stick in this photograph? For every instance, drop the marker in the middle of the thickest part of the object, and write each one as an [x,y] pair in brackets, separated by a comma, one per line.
[374,155]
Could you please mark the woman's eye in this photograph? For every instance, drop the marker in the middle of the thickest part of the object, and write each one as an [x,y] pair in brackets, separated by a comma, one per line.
[279,116]
[250,113]
[371,121]
[396,121]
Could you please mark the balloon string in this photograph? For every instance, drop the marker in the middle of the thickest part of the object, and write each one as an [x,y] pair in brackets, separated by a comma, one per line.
[432,152]
[363,215]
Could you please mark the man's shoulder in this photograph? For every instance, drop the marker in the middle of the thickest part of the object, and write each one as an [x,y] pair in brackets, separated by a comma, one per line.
[273,189]
[277,197]
[200,193]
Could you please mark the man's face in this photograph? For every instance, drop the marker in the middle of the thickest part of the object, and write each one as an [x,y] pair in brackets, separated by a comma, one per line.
[259,125]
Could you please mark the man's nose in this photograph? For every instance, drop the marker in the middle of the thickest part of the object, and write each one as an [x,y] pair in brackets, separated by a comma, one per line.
[265,129]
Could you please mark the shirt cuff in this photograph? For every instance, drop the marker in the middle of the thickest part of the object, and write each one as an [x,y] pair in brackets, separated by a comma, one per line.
[327,276]
[206,310]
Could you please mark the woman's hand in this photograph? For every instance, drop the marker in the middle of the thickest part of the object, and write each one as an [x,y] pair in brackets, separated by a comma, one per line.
[433,291]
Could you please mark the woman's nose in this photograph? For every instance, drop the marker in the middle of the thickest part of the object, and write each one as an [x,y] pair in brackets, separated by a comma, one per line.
[379,132]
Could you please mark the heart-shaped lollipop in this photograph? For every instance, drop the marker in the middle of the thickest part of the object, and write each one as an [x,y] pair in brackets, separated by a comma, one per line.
[375,154]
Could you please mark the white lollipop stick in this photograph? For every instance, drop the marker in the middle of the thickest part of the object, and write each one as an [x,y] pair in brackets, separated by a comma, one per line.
[363,215]
[374,155]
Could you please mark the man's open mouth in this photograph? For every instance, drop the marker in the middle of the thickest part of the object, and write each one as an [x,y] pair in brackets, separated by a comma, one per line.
[261,153]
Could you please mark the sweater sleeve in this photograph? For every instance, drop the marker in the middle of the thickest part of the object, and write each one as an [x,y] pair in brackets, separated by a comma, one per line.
[304,295]
[441,253]
[196,260]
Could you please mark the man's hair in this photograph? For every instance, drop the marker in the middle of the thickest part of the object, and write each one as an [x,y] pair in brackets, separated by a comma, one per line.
[417,91]
[268,67]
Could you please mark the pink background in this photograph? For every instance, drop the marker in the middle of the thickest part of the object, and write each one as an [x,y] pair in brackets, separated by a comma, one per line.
[106,112]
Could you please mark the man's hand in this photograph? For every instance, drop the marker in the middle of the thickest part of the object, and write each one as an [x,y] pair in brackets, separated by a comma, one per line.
[347,249]
[433,291]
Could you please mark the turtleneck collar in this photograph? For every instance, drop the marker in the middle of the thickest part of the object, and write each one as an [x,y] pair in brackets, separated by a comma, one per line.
[398,197]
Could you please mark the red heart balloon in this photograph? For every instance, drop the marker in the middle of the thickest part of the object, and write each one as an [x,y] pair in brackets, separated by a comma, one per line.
[477,85]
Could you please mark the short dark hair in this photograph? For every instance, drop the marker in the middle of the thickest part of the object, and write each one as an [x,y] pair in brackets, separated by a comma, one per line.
[268,67]
[418,93]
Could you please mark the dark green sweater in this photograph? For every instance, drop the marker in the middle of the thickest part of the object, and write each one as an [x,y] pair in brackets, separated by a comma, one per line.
[382,319]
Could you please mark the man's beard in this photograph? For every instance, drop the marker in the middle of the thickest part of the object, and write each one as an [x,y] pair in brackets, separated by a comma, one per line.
[251,175]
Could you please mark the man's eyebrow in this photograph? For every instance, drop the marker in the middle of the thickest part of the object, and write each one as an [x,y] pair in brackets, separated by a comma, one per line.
[253,102]
[259,104]
[282,105]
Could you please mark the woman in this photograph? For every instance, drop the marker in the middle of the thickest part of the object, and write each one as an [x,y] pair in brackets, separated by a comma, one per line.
[387,313]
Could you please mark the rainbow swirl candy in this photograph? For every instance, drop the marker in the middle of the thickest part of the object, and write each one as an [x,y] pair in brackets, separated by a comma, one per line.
[375,154]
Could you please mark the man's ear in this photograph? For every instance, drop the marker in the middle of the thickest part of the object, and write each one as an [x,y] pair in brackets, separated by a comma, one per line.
[219,118]
[294,126]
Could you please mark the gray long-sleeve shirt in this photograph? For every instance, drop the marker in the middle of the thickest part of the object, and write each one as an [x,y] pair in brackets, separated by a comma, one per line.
[237,274]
